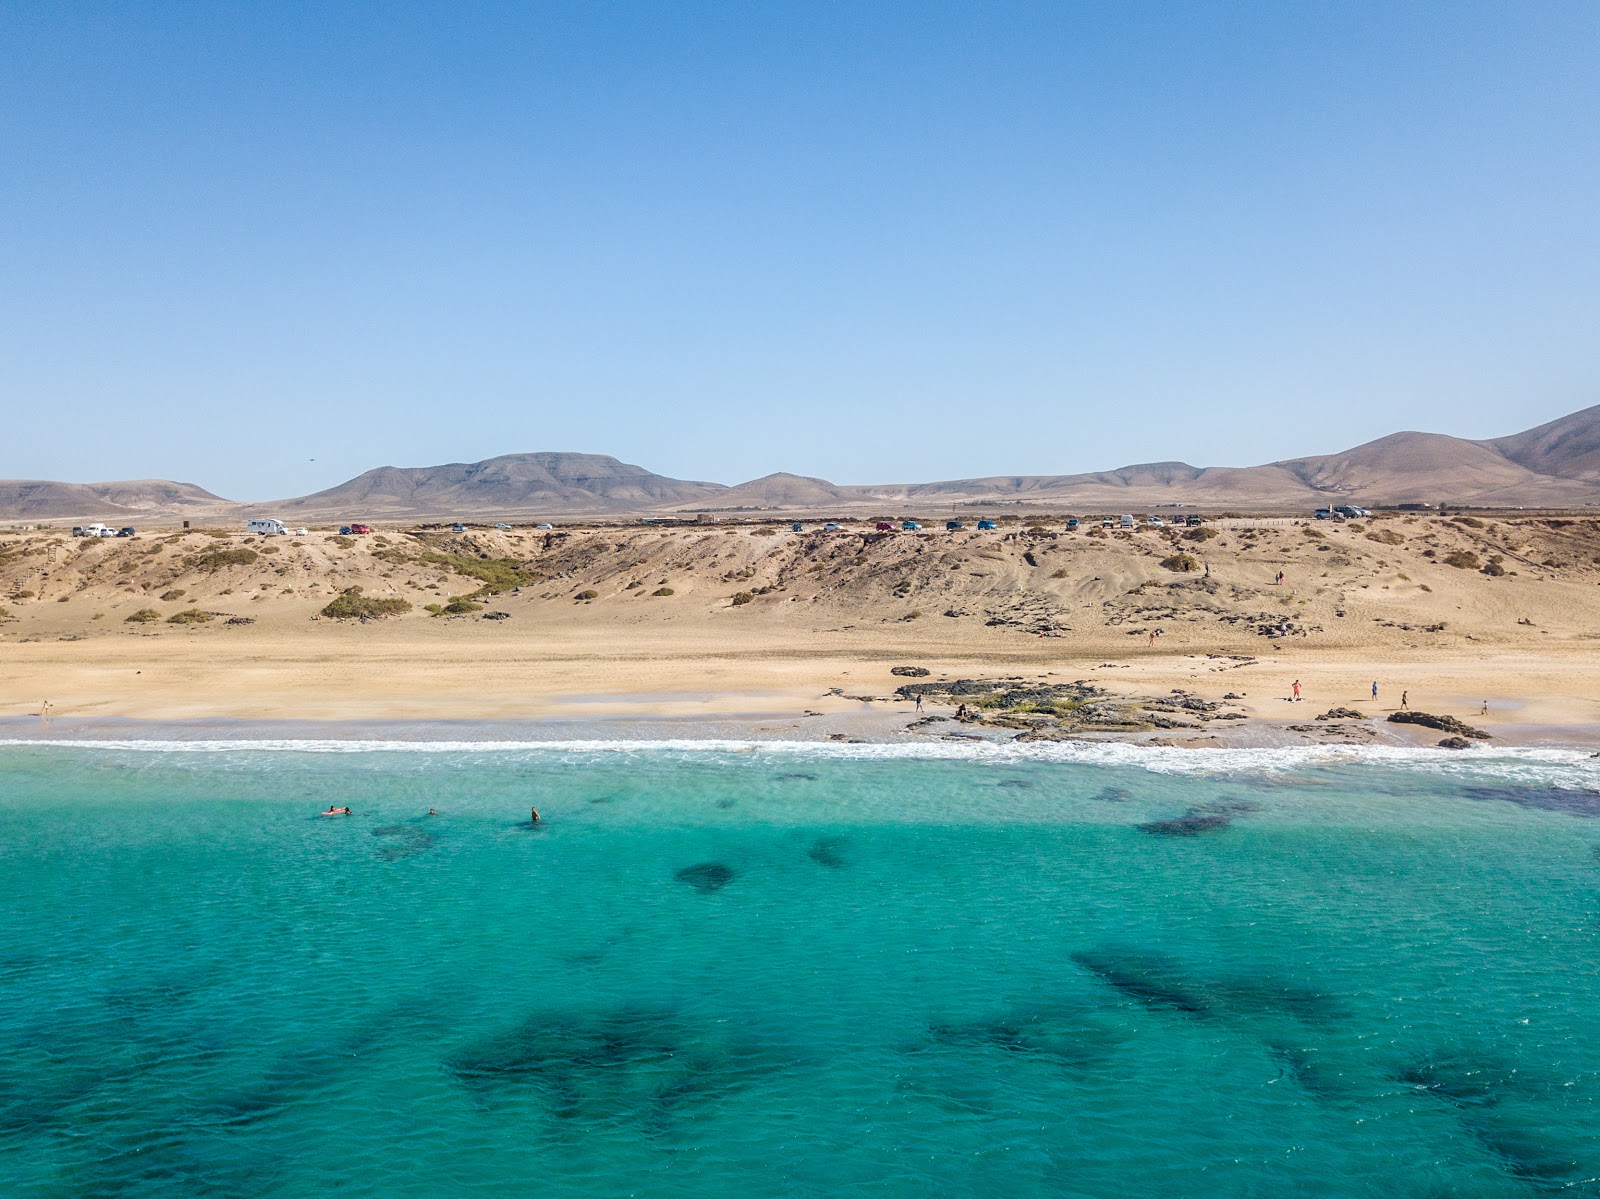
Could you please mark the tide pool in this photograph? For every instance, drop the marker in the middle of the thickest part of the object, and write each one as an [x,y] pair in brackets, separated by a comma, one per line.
[796,970]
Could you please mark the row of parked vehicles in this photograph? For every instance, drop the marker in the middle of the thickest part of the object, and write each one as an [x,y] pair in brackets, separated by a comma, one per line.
[102,531]
[1342,512]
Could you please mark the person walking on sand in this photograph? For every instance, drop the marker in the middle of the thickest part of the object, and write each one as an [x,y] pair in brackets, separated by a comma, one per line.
[1404,696]
[1484,711]
[919,702]
[1374,690]
[1296,690]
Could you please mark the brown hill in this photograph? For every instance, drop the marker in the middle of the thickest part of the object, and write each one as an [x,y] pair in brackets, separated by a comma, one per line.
[513,484]
[41,499]
[1568,447]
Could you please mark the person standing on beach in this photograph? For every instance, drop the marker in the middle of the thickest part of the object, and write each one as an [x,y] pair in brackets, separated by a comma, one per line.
[1296,690]
[1374,690]
[1404,695]
[919,701]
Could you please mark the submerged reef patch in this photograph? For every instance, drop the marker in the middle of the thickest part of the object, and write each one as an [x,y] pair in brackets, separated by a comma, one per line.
[706,876]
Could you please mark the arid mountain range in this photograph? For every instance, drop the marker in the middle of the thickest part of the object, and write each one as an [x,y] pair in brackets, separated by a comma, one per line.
[1556,465]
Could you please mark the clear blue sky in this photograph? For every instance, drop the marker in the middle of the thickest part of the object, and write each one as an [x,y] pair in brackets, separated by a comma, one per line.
[872,242]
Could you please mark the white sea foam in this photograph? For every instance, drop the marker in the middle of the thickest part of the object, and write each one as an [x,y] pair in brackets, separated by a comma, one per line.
[1524,764]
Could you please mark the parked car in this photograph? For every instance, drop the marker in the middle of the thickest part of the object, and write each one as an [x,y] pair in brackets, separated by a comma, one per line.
[344,530]
[126,531]
[830,527]
[1323,514]
[96,530]
[884,526]
[1107,523]
[361,530]
[77,531]
[1126,520]
[1193,522]
[797,527]
[987,524]
[1154,522]
[544,526]
[502,526]
[1072,522]
[910,526]
[458,528]
[1350,511]
[955,526]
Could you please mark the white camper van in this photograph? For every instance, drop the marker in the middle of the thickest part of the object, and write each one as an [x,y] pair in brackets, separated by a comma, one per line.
[267,528]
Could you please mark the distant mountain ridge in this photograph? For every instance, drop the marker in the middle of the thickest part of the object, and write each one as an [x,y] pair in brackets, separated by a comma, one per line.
[1556,464]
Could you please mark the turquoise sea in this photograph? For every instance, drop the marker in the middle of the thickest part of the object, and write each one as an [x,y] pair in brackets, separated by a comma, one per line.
[745,971]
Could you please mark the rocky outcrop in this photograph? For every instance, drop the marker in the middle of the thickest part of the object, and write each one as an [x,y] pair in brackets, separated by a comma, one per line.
[1445,724]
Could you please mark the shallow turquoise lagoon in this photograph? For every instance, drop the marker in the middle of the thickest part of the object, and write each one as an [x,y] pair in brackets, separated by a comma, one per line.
[813,972]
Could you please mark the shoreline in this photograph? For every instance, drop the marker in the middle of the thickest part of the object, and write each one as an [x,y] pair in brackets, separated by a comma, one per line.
[871,724]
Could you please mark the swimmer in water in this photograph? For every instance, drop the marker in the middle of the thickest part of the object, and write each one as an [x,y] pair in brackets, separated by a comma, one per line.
[337,812]
[534,812]
[431,812]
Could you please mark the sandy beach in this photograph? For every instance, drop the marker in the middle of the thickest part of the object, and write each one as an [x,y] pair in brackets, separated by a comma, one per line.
[823,620]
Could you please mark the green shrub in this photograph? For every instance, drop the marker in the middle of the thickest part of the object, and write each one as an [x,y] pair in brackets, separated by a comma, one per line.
[1493,569]
[1182,563]
[20,595]
[663,591]
[342,541]
[460,605]
[353,604]
[587,594]
[5,614]
[190,616]
[142,616]
[177,593]
[1060,573]
[496,574]
[217,559]
[1385,537]
[1461,559]
[1200,533]
[433,609]
[744,597]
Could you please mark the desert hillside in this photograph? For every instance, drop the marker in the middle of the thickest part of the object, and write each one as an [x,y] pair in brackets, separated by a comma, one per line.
[425,622]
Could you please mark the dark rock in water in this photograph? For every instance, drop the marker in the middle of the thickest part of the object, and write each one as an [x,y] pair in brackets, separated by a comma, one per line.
[725,804]
[795,776]
[1064,1036]
[1152,979]
[1545,799]
[1159,981]
[1455,743]
[1191,824]
[909,672]
[825,851]
[1019,783]
[1302,1066]
[707,876]
[1445,724]
[600,799]
[1114,795]
[403,841]
[1341,714]
[1479,1092]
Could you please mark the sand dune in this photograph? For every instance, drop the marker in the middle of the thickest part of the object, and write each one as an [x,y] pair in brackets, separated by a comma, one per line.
[750,617]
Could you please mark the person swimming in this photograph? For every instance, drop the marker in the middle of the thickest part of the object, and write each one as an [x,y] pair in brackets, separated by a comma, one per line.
[337,812]
[534,814]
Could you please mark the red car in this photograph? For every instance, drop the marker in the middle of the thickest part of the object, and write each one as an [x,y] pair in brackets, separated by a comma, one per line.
[885,527]
[361,528]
